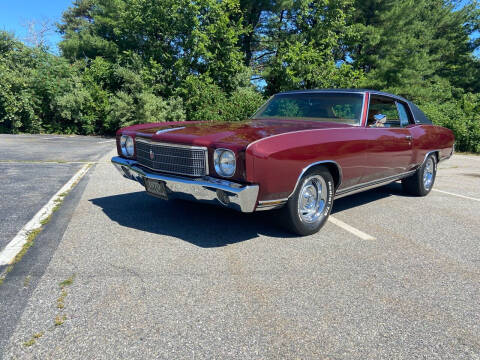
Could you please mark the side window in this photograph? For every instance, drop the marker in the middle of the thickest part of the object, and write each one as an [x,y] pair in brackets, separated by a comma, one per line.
[383,113]
[402,111]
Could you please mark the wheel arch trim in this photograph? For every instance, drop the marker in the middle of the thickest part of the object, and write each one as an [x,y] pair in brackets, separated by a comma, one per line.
[312,165]
[437,157]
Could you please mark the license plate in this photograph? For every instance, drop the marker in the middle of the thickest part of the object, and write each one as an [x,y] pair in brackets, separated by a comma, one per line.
[157,188]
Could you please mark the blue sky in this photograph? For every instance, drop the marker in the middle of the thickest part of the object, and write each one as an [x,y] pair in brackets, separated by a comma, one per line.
[14,13]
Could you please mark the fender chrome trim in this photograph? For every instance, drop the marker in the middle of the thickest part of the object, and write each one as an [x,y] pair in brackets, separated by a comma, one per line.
[270,204]
[274,204]
[429,153]
[298,131]
[305,169]
[372,184]
[439,159]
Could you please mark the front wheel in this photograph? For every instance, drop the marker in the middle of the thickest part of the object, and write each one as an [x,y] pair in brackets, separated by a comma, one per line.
[308,208]
[421,183]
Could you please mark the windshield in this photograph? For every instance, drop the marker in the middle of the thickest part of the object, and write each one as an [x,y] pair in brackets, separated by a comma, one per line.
[344,108]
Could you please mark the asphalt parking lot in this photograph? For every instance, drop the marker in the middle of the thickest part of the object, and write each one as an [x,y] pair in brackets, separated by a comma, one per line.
[120,274]
[34,167]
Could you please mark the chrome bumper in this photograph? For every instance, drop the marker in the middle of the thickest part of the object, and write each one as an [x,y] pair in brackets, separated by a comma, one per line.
[209,190]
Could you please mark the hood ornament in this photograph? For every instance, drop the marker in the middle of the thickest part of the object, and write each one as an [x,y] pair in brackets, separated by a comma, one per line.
[169,129]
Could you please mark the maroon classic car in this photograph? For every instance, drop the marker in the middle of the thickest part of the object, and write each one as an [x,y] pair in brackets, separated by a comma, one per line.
[298,153]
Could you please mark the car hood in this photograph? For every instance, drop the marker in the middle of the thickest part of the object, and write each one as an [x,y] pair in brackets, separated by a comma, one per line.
[236,134]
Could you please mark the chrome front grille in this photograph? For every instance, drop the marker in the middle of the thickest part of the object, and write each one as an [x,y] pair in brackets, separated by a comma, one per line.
[172,158]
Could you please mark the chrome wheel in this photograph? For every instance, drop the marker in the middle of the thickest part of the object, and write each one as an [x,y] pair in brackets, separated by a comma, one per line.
[428,172]
[312,199]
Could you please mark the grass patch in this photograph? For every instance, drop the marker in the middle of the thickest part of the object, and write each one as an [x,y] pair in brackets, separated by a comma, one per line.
[30,241]
[60,319]
[61,300]
[26,281]
[29,342]
[58,202]
[33,233]
[46,220]
[33,339]
[4,275]
[67,282]
[63,294]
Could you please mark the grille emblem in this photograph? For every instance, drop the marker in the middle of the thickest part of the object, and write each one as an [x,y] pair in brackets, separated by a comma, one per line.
[152,155]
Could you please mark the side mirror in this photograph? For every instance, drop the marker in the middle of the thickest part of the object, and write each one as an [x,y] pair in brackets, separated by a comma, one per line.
[380,120]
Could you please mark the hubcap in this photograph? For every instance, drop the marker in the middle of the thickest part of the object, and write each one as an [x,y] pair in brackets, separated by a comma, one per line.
[428,173]
[312,199]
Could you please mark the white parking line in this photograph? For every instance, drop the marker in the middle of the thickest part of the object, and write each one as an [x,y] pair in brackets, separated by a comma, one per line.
[7,255]
[106,141]
[457,195]
[350,229]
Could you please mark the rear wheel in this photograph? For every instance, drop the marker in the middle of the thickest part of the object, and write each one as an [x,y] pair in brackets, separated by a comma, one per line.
[308,208]
[421,183]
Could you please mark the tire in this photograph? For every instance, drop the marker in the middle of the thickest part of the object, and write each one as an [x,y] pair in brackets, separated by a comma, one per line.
[421,183]
[317,189]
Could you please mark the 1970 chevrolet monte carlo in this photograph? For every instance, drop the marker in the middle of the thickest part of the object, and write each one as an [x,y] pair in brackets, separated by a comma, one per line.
[298,153]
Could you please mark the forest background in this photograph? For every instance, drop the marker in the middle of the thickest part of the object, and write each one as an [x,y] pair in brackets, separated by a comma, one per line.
[122,62]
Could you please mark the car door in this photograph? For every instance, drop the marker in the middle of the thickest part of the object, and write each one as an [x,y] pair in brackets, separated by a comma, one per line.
[389,140]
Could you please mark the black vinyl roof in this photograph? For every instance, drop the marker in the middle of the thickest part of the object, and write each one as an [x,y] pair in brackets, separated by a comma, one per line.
[418,115]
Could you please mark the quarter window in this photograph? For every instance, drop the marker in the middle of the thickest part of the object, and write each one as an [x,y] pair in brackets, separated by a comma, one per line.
[383,113]
[404,118]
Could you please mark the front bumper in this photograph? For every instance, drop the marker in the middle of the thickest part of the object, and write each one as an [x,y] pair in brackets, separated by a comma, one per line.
[207,189]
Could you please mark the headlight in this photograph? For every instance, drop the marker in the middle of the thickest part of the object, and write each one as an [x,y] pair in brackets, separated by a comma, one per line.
[225,163]
[127,145]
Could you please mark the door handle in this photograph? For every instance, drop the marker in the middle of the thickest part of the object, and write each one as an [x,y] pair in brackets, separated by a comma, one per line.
[408,137]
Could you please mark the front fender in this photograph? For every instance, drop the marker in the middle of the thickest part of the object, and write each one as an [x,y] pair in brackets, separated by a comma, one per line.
[276,163]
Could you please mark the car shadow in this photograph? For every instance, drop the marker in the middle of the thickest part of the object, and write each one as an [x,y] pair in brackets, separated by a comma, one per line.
[209,226]
[202,225]
[355,200]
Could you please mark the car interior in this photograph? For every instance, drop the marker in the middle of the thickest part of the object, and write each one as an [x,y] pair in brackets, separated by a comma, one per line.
[383,112]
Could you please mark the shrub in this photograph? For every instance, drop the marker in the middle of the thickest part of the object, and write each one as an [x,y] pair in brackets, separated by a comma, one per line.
[462,117]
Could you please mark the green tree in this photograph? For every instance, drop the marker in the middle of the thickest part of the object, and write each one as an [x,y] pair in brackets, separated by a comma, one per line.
[300,44]
[18,103]
[251,15]
[131,61]
[180,38]
[409,46]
